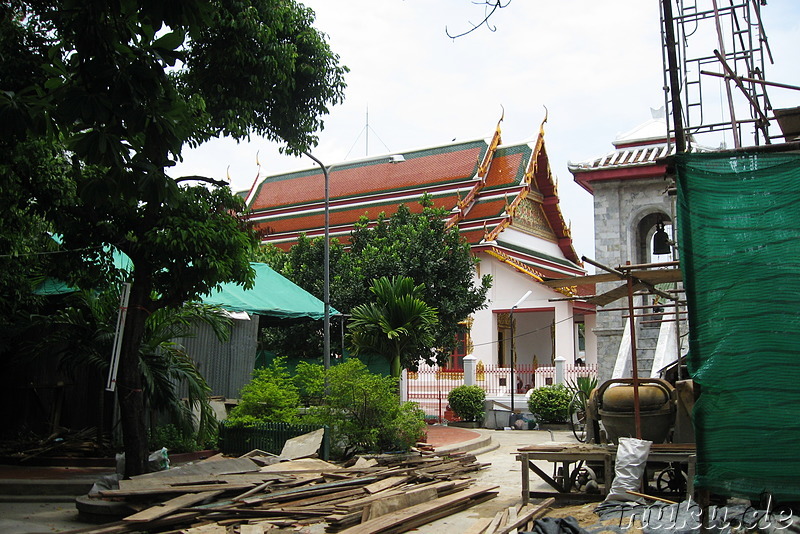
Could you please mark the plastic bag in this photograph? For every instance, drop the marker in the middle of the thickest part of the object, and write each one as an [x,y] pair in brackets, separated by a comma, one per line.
[157,461]
[628,469]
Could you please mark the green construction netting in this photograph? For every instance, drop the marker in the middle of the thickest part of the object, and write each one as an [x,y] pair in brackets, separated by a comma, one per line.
[739,230]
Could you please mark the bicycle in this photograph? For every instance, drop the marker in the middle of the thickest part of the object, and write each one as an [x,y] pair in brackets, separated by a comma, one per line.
[577,415]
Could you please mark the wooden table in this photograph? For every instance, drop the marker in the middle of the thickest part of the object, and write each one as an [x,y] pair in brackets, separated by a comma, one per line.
[574,456]
[566,456]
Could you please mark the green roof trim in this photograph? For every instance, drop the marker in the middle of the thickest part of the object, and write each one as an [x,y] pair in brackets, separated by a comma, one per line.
[540,255]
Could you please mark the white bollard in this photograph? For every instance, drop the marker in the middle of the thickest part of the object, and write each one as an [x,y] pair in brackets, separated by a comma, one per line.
[470,370]
[561,364]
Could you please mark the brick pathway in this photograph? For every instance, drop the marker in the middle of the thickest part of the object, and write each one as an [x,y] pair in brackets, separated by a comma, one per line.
[441,436]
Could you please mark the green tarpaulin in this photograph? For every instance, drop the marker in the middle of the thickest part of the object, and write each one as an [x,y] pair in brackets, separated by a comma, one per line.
[272,295]
[739,229]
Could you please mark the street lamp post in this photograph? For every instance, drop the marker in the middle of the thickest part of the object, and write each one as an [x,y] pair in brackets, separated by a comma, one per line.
[326,269]
[514,355]
[326,258]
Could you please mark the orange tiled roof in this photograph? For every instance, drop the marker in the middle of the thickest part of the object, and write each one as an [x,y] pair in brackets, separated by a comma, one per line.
[481,183]
[422,170]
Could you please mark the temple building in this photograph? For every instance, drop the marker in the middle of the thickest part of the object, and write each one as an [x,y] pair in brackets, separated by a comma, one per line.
[504,202]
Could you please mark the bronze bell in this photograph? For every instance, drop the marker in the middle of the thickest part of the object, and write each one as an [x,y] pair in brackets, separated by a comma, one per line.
[661,244]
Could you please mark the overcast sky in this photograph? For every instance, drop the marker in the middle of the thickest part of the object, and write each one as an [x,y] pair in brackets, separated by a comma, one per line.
[596,65]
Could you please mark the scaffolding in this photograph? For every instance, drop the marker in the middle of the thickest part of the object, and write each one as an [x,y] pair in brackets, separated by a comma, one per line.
[719,50]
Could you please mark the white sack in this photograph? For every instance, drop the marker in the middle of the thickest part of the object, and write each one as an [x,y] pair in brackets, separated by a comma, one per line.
[628,469]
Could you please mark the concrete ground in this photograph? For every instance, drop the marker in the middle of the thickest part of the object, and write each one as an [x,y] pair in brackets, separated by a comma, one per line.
[505,472]
[36,514]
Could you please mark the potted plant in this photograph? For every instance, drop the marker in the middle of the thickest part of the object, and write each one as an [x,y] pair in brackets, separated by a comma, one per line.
[467,403]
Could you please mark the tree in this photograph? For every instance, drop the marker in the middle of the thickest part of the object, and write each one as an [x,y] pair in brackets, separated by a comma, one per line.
[81,335]
[397,325]
[417,245]
[30,170]
[121,86]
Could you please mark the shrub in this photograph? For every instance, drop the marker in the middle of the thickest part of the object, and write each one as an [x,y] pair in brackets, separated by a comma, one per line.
[270,396]
[467,402]
[310,381]
[170,437]
[364,413]
[550,404]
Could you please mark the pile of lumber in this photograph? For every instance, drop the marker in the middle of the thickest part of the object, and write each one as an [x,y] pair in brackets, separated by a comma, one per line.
[513,519]
[253,494]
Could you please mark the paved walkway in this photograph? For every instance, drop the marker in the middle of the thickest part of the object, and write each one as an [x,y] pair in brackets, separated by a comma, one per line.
[447,436]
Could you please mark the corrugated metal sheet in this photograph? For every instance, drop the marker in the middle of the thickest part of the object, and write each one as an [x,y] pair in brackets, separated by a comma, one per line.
[226,366]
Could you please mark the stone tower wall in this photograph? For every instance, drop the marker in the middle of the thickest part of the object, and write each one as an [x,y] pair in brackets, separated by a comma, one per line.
[620,207]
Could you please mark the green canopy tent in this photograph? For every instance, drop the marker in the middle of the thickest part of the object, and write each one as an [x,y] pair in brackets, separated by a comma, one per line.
[273,296]
[277,299]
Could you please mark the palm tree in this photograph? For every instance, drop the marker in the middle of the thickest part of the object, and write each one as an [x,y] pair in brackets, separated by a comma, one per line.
[397,323]
[82,334]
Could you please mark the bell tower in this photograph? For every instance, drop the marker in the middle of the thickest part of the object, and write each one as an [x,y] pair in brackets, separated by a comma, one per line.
[631,206]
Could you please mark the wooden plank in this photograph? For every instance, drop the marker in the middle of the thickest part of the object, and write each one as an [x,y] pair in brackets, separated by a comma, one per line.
[257,489]
[215,467]
[442,488]
[257,527]
[364,462]
[359,504]
[398,502]
[327,497]
[172,505]
[196,488]
[314,465]
[533,513]
[344,519]
[211,528]
[499,519]
[405,516]
[458,507]
[479,526]
[248,478]
[310,491]
[121,527]
[511,519]
[386,483]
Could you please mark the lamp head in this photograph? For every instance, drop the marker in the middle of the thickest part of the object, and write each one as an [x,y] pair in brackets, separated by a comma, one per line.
[521,300]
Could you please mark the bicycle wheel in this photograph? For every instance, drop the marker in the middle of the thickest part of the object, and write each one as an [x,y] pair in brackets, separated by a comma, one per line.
[577,415]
